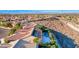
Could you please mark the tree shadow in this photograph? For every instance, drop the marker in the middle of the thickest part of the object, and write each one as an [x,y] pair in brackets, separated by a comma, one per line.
[21,43]
[63,40]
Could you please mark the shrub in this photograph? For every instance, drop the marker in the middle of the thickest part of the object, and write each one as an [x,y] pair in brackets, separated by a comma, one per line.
[36,40]
[18,26]
[6,40]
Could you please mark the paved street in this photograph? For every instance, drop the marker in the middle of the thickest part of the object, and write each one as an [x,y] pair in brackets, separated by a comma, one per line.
[3,32]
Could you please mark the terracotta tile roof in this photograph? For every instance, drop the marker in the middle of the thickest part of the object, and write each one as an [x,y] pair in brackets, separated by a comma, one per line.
[21,33]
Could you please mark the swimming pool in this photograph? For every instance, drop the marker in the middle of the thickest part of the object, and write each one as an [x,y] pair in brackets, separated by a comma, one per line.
[61,40]
[45,40]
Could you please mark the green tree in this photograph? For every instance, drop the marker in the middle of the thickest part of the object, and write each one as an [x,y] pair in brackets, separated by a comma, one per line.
[36,40]
[15,28]
[12,31]
[18,26]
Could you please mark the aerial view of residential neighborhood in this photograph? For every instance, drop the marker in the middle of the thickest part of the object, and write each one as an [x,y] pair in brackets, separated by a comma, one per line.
[39,30]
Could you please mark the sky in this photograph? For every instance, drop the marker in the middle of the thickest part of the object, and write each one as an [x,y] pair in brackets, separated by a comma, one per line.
[36,11]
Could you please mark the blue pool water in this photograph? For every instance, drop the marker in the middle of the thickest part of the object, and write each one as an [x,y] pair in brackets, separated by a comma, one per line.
[45,37]
[62,40]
